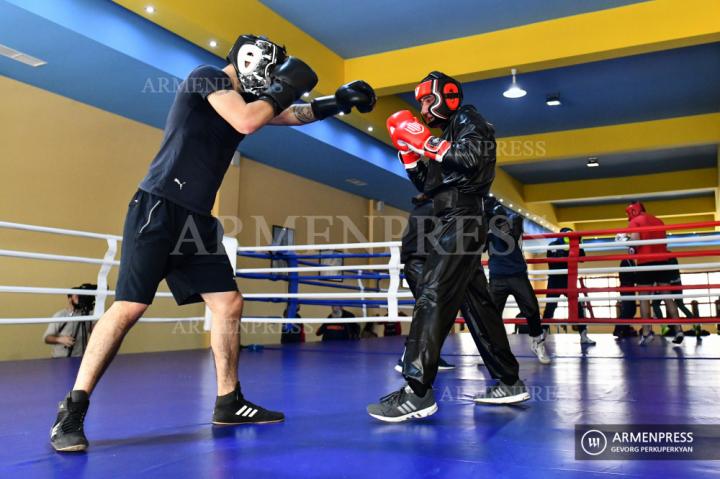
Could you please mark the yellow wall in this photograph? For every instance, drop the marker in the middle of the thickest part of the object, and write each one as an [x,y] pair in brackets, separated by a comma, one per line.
[69,165]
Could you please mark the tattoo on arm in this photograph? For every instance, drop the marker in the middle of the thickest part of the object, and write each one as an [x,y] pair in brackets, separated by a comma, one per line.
[303,113]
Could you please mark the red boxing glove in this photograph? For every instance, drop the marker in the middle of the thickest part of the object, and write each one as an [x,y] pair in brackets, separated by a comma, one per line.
[394,121]
[418,139]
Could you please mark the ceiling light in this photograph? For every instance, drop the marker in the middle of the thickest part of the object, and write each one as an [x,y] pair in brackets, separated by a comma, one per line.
[342,113]
[150,9]
[502,201]
[356,182]
[21,57]
[519,210]
[514,91]
[370,129]
[306,94]
[553,100]
[510,205]
[490,194]
[592,162]
[213,44]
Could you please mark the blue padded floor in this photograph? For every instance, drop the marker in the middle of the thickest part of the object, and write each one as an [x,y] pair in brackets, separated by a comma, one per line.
[150,417]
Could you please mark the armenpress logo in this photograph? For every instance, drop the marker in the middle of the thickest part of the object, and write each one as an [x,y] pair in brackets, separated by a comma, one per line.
[593,442]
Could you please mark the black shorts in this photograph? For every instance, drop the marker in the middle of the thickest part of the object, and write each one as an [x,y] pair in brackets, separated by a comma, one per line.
[163,240]
[650,278]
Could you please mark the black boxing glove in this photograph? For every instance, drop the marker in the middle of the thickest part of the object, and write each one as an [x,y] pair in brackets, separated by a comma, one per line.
[289,81]
[356,94]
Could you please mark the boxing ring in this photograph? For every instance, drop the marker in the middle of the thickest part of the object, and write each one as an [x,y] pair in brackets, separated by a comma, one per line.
[150,416]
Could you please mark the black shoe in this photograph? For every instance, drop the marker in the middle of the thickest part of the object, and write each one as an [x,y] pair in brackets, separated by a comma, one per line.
[444,365]
[67,434]
[402,405]
[678,339]
[502,393]
[233,408]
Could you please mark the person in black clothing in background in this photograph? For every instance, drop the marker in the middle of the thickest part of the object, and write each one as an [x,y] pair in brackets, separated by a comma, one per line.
[292,332]
[339,331]
[508,271]
[676,330]
[627,308]
[456,169]
[560,281]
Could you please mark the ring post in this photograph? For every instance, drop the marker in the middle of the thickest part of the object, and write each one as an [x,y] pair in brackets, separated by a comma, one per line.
[394,270]
[572,265]
[231,247]
[102,286]
[293,284]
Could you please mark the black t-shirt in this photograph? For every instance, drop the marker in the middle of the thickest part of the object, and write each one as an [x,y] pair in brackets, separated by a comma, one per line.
[197,147]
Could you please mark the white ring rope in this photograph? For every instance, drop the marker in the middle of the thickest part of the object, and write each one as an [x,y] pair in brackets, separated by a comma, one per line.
[618,244]
[317,247]
[393,266]
[55,257]
[59,231]
[310,269]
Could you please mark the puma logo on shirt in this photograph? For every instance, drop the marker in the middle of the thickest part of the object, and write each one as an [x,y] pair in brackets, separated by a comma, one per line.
[180,184]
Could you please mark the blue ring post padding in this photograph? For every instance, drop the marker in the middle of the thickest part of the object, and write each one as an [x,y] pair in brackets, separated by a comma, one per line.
[293,287]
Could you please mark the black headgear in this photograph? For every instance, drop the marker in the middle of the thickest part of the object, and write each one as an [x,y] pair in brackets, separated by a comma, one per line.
[254,58]
[448,96]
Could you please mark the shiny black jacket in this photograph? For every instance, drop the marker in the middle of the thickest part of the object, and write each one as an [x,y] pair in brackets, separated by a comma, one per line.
[469,165]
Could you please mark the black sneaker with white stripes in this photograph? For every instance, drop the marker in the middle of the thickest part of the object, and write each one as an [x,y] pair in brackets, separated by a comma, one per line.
[502,393]
[67,434]
[402,405]
[233,408]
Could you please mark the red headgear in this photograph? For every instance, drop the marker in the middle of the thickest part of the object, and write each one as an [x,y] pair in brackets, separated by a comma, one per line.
[448,96]
[634,209]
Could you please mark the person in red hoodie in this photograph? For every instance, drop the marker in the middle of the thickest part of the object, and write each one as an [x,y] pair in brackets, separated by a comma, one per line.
[638,217]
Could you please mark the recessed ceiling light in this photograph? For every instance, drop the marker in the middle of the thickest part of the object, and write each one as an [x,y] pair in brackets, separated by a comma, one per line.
[592,162]
[370,129]
[21,57]
[213,44]
[514,91]
[306,94]
[342,113]
[553,100]
[502,201]
[510,205]
[150,9]
[490,194]
[356,182]
[519,210]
